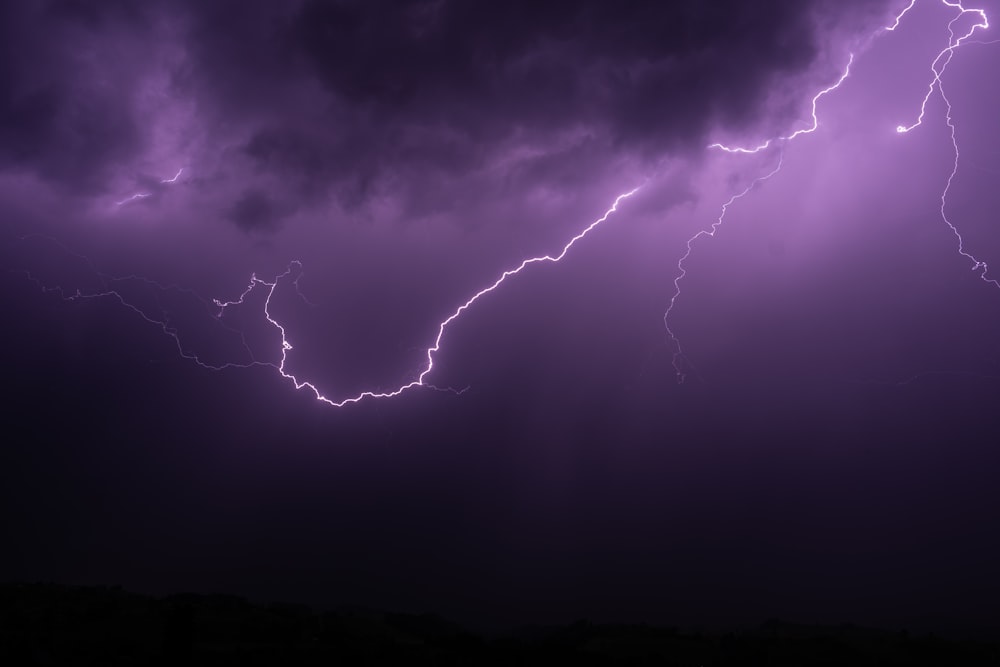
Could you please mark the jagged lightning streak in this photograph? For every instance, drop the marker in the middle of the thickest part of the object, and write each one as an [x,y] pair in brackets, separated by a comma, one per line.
[682,270]
[137,195]
[420,380]
[176,176]
[899,17]
[944,57]
[163,323]
[143,195]
[938,66]
[807,130]
[678,355]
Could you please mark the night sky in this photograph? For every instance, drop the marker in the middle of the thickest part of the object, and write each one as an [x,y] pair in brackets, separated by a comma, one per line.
[832,453]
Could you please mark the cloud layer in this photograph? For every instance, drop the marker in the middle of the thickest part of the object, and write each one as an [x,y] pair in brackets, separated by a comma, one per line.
[275,107]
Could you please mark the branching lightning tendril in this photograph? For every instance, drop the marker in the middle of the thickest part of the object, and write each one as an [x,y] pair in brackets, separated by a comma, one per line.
[938,67]
[420,380]
[144,195]
[682,271]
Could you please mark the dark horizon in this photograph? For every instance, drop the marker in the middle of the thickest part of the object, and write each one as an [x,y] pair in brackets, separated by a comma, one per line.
[69,625]
[806,430]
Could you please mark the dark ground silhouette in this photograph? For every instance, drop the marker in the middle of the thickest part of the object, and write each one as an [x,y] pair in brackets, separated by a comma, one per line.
[51,624]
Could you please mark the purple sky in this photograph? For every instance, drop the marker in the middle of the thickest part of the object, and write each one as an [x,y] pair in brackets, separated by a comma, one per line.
[831,454]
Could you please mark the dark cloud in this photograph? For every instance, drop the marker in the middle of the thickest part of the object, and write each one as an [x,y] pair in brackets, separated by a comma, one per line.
[341,98]
[255,211]
[491,69]
[56,117]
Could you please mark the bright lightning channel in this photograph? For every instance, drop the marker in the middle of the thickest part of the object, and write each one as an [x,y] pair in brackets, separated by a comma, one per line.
[808,130]
[678,360]
[110,290]
[420,380]
[143,195]
[938,67]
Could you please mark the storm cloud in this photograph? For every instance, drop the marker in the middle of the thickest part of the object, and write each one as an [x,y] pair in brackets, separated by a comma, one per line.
[347,100]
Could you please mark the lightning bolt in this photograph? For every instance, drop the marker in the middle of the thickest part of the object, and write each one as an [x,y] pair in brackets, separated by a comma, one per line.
[137,195]
[678,355]
[164,324]
[899,17]
[430,352]
[111,289]
[143,195]
[938,67]
[679,359]
[176,176]
[808,130]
